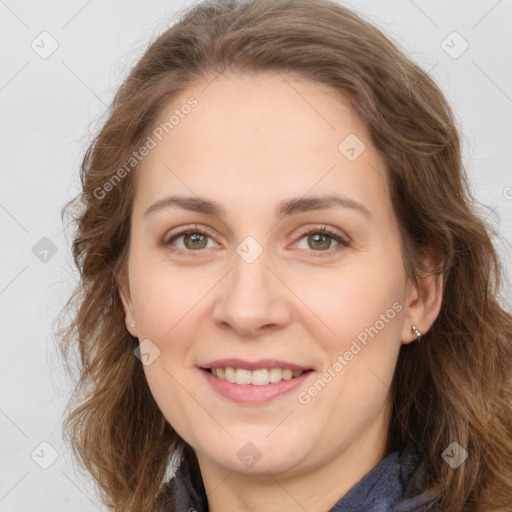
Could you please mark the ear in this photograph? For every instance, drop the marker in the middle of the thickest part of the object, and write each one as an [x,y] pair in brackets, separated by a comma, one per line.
[423,302]
[124,292]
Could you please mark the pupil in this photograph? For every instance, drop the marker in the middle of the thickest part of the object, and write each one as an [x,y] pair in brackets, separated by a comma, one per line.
[193,238]
[318,237]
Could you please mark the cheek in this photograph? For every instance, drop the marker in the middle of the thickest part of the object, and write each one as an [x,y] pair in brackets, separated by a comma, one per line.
[345,302]
[361,311]
[164,297]
[168,305]
[172,393]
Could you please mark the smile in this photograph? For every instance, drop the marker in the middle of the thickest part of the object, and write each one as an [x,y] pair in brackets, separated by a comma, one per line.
[259,377]
[268,383]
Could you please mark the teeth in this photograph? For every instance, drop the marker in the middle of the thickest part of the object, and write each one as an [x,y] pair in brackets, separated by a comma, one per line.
[242,376]
[229,374]
[276,375]
[259,377]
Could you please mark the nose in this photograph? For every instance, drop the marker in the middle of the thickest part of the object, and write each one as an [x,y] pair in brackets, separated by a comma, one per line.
[252,299]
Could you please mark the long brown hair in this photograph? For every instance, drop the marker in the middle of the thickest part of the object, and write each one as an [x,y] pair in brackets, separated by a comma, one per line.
[454,386]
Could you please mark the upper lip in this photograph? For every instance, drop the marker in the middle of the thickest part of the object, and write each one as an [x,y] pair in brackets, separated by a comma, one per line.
[254,365]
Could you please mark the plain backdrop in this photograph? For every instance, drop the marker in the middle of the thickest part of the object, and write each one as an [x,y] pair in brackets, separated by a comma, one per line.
[51,105]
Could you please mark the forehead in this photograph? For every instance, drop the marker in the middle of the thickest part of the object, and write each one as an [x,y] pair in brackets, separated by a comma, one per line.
[275,108]
[261,136]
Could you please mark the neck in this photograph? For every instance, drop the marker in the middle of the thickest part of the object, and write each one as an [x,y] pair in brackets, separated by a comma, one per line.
[313,486]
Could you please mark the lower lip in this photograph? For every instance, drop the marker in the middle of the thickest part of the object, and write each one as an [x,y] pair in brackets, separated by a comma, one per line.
[250,393]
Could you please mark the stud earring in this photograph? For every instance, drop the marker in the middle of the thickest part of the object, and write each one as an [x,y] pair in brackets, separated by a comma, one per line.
[416,331]
[133,325]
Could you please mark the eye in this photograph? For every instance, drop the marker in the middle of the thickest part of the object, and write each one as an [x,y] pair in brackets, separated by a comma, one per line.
[318,240]
[321,238]
[193,239]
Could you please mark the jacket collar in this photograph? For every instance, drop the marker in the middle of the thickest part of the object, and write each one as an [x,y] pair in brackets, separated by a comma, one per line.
[402,473]
[382,490]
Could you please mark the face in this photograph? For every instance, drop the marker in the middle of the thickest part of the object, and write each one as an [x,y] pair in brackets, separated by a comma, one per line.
[280,276]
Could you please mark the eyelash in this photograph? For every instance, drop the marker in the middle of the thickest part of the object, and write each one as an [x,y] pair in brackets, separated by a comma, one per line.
[308,231]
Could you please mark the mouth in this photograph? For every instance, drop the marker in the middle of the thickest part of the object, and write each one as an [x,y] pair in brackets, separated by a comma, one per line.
[255,387]
[257,377]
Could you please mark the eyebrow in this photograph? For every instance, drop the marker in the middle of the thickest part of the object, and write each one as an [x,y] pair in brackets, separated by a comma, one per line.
[284,208]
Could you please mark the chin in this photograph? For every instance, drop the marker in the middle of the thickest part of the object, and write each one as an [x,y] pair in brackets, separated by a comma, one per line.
[251,458]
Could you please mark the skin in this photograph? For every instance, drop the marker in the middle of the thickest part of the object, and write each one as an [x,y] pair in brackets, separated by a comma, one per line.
[251,142]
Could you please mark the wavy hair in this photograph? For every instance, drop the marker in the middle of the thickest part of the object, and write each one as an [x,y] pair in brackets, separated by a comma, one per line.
[453,386]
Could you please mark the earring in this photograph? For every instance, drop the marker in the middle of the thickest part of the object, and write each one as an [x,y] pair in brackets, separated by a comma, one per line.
[416,331]
[133,325]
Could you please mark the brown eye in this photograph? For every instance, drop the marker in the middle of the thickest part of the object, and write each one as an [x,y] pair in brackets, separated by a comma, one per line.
[319,240]
[195,240]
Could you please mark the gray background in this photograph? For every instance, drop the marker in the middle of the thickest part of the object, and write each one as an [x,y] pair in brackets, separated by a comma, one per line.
[52,106]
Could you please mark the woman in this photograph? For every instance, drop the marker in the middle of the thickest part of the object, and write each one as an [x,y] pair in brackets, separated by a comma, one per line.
[286,292]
